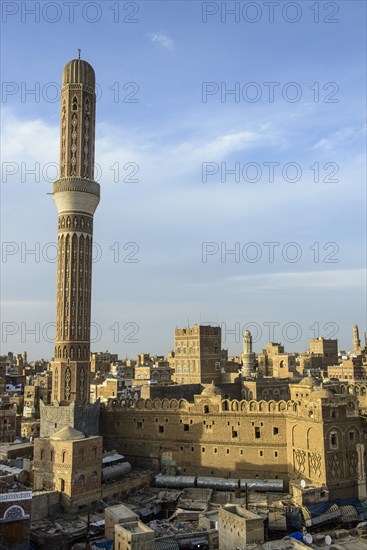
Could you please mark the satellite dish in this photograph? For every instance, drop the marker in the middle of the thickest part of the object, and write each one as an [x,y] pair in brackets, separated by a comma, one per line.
[328,540]
[308,538]
[303,483]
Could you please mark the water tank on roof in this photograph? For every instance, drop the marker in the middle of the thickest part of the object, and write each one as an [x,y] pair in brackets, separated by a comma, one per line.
[174,481]
[274,485]
[115,471]
[219,483]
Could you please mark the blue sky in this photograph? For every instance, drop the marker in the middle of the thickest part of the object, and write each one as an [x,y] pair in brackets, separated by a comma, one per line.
[170,135]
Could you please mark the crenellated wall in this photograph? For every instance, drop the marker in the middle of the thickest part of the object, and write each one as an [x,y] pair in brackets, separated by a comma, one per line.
[222,437]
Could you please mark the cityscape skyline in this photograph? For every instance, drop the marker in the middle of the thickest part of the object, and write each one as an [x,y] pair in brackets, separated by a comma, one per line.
[185,221]
[229,207]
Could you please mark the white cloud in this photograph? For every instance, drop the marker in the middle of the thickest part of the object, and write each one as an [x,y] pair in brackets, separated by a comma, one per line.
[305,280]
[341,137]
[162,39]
[38,142]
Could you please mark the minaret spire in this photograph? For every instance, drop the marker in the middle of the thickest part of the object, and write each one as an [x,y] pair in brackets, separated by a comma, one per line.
[247,357]
[356,340]
[76,196]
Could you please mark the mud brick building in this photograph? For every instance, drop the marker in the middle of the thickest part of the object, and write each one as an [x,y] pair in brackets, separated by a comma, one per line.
[319,436]
[198,356]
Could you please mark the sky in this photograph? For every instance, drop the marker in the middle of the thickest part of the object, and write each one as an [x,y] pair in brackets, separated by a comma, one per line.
[230,150]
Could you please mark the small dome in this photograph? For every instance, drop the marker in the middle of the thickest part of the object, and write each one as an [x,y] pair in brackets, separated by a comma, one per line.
[211,390]
[309,382]
[67,433]
[78,71]
[322,393]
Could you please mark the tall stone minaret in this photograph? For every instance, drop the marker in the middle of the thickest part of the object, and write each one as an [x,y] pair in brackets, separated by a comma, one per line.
[356,340]
[76,196]
[247,357]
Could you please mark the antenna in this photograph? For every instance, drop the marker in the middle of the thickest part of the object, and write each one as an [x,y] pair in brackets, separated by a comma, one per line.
[79,52]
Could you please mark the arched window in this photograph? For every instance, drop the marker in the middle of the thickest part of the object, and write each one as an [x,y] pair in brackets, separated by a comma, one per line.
[94,477]
[63,456]
[52,456]
[206,409]
[14,512]
[42,454]
[81,481]
[75,103]
[333,439]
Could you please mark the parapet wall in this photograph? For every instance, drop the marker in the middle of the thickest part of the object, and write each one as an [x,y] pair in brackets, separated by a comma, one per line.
[226,406]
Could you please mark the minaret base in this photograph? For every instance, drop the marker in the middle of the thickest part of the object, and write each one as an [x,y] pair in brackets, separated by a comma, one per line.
[84,418]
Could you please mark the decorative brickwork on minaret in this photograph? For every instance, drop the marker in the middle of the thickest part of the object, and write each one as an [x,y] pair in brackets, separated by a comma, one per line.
[76,197]
[247,357]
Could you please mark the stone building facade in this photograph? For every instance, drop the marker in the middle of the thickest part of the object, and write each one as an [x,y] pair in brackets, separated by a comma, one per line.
[152,375]
[30,427]
[15,516]
[101,361]
[7,422]
[326,348]
[275,362]
[351,370]
[198,356]
[238,526]
[68,462]
[211,436]
[266,388]
[326,443]
[319,436]
[31,401]
[134,536]
[103,389]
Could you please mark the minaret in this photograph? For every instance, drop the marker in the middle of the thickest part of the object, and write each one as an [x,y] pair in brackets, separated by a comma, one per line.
[76,197]
[247,357]
[356,340]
